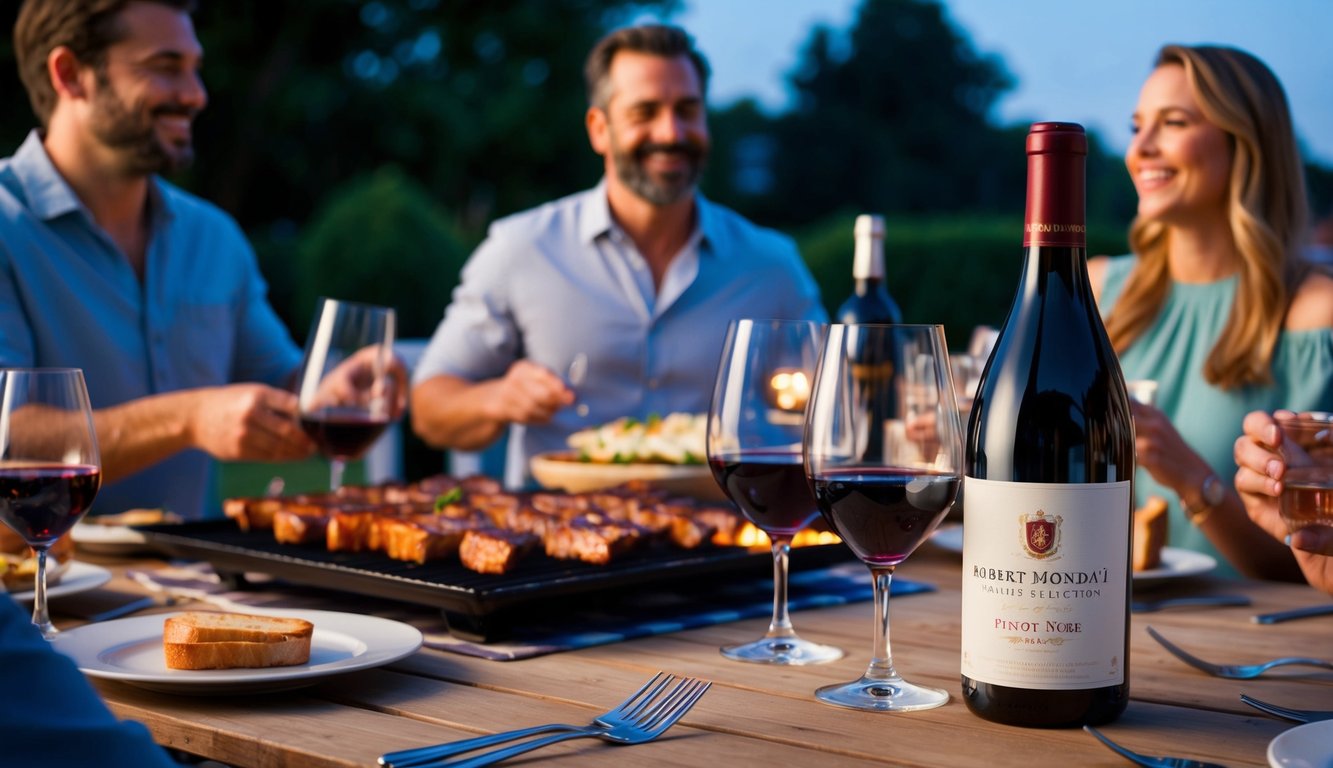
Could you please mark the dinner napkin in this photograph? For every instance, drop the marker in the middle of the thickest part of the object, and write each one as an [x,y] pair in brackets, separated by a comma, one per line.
[574,624]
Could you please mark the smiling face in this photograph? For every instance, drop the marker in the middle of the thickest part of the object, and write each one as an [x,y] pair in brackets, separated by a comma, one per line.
[652,130]
[1180,162]
[147,93]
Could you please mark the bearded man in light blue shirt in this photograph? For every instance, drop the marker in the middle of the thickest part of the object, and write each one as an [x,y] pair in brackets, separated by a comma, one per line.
[104,266]
[636,279]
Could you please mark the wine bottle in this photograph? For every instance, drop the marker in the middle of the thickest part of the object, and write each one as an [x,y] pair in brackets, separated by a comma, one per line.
[870,301]
[1050,455]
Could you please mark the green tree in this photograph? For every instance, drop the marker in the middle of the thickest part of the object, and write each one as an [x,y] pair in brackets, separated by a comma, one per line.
[897,122]
[382,239]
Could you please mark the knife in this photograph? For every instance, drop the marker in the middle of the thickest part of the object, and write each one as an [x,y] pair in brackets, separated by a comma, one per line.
[1148,606]
[1294,613]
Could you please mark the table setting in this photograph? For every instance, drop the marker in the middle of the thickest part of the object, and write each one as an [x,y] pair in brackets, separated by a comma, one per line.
[396,677]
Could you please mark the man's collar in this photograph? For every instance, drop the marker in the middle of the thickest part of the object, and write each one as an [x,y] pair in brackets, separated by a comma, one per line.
[595,218]
[47,192]
[50,196]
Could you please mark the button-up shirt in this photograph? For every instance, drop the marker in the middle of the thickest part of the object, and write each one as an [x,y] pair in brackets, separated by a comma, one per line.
[199,317]
[564,279]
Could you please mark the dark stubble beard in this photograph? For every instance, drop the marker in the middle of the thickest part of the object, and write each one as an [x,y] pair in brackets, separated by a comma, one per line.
[663,189]
[129,129]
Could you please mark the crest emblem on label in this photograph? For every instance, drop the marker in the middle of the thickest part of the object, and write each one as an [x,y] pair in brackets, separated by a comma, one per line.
[1041,534]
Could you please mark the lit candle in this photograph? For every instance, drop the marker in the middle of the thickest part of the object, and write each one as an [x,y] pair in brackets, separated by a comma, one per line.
[790,389]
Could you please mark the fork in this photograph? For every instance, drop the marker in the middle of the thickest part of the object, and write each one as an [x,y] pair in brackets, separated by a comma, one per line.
[1149,760]
[637,705]
[1295,715]
[578,371]
[1235,671]
[647,726]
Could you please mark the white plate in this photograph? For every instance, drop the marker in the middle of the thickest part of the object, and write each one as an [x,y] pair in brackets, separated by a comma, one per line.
[79,577]
[108,539]
[695,480]
[1305,746]
[1176,562]
[130,650]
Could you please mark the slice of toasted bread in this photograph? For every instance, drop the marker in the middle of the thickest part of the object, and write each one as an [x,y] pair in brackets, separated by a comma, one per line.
[287,652]
[197,640]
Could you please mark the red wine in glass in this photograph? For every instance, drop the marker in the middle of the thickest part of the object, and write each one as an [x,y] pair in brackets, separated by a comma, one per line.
[884,514]
[755,422]
[343,433]
[769,487]
[883,450]
[50,468]
[42,502]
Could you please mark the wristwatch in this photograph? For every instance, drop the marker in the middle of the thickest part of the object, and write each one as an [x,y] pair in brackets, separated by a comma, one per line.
[1211,494]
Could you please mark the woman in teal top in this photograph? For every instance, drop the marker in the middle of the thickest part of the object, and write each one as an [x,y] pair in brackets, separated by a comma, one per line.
[1216,304]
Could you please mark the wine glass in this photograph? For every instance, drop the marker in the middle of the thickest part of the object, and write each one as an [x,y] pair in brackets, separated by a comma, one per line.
[883,496]
[50,469]
[346,395]
[754,450]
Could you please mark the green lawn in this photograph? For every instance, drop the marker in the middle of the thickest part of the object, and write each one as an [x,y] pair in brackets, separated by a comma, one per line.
[252,478]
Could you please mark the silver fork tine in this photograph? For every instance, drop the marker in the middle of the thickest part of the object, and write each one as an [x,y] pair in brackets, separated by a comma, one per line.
[682,707]
[1275,710]
[647,717]
[635,704]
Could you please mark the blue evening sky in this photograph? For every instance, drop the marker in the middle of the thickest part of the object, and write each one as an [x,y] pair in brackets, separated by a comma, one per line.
[1080,60]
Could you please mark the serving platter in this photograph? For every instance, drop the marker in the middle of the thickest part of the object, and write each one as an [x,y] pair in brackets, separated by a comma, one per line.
[563,471]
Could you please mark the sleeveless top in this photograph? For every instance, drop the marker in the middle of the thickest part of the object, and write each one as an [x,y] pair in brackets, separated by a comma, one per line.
[1173,351]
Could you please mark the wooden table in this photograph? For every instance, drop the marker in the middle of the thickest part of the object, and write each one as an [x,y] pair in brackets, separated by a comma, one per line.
[766,716]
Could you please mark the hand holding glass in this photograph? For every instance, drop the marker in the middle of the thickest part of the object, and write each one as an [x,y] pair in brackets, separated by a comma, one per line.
[50,469]
[1307,486]
[347,391]
[754,450]
[884,453]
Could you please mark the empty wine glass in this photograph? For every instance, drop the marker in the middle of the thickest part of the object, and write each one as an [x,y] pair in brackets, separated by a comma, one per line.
[346,394]
[50,469]
[884,454]
[754,450]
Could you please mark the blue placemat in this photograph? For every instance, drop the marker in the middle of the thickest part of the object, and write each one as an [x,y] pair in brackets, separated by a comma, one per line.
[625,616]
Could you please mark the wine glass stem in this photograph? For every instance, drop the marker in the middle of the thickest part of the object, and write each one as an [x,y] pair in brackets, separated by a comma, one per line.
[336,467]
[40,617]
[780,626]
[881,660]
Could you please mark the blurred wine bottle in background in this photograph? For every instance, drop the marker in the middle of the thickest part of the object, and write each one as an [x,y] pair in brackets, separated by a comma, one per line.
[1050,456]
[870,301]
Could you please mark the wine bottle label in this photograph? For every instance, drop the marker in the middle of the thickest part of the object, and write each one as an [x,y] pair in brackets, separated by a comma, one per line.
[1045,572]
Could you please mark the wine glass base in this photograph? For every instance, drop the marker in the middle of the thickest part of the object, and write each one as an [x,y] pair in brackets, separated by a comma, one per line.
[893,695]
[790,651]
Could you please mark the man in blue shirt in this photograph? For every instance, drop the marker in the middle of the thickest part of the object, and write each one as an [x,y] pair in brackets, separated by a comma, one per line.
[104,266]
[631,283]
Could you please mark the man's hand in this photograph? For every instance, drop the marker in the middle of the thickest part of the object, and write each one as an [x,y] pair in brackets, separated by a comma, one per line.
[353,383]
[248,422]
[529,393]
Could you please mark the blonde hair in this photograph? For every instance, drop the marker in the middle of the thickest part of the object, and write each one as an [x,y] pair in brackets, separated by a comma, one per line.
[1266,207]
